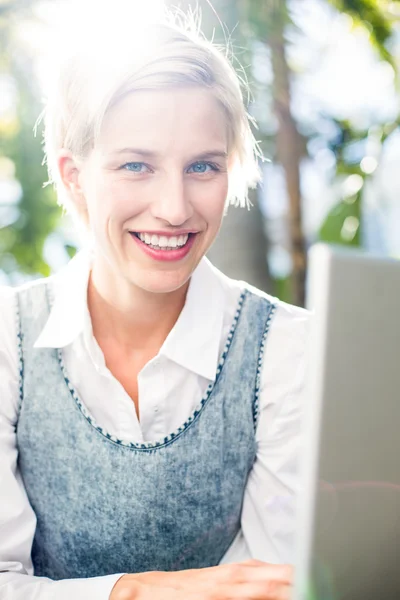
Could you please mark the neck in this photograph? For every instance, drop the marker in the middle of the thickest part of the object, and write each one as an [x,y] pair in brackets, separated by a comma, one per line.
[129,317]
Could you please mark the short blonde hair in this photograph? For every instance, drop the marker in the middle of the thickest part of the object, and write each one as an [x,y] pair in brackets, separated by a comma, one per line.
[168,53]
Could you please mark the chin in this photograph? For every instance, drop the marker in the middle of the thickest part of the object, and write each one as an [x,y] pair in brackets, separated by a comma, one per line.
[159,282]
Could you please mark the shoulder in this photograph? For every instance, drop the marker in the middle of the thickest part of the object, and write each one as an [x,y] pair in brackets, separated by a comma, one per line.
[284,351]
[289,321]
[286,329]
[286,333]
[9,360]
[285,311]
[31,296]
[31,286]
[8,311]
[292,322]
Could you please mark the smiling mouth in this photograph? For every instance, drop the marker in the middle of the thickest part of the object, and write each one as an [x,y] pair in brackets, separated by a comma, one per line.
[163,243]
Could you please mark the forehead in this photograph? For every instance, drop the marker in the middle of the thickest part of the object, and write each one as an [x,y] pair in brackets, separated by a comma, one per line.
[178,118]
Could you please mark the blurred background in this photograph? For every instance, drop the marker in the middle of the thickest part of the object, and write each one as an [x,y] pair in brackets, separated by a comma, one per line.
[324,81]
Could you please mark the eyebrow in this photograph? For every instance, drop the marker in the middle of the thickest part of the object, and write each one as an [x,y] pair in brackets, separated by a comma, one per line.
[152,154]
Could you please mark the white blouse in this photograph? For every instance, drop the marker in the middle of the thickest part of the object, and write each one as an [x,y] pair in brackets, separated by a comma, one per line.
[183,368]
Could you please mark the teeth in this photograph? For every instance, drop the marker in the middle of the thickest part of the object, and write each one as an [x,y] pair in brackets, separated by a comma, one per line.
[163,241]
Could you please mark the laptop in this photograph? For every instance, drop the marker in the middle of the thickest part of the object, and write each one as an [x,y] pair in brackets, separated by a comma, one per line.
[348,541]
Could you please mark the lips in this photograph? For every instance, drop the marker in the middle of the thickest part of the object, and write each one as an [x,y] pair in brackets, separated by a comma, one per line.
[168,254]
[162,242]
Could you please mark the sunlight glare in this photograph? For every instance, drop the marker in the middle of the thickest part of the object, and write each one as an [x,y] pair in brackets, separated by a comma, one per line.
[352,185]
[93,29]
[350,228]
[368,164]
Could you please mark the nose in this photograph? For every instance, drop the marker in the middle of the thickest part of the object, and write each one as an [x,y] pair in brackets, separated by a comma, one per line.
[172,204]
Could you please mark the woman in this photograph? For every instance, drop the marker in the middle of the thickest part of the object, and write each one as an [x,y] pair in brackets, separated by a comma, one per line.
[149,405]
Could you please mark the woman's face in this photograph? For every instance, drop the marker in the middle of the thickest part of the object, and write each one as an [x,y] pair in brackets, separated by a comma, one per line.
[158,176]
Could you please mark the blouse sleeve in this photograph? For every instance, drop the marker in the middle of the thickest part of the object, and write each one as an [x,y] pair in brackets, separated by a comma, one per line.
[17,519]
[268,520]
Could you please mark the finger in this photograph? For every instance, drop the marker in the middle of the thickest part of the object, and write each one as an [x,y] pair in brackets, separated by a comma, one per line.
[271,590]
[282,573]
[267,572]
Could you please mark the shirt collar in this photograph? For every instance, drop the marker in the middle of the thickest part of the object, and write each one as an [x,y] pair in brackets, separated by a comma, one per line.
[193,342]
[69,296]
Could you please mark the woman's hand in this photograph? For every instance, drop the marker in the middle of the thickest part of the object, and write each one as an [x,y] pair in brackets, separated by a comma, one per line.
[250,580]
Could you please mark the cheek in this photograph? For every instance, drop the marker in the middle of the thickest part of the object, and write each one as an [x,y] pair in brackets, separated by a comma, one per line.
[115,202]
[210,199]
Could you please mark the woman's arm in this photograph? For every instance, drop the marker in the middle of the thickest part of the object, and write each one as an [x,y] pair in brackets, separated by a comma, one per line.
[250,580]
[17,519]
[269,508]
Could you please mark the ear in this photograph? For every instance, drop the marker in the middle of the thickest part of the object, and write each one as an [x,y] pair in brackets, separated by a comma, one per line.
[70,170]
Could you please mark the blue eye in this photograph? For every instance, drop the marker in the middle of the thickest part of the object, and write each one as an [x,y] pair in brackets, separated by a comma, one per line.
[201,167]
[135,167]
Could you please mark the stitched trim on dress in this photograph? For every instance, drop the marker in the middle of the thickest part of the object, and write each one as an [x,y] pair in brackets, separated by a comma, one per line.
[20,353]
[172,436]
[260,363]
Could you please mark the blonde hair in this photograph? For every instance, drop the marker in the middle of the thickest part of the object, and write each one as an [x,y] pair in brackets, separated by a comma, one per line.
[163,54]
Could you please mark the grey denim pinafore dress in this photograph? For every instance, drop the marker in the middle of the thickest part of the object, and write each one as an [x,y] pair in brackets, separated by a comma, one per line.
[105,505]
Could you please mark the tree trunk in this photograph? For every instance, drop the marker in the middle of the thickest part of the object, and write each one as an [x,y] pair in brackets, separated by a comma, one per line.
[288,145]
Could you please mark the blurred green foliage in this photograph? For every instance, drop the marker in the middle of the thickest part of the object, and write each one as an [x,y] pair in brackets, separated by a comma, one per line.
[38,213]
[343,224]
[375,16]
[22,240]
